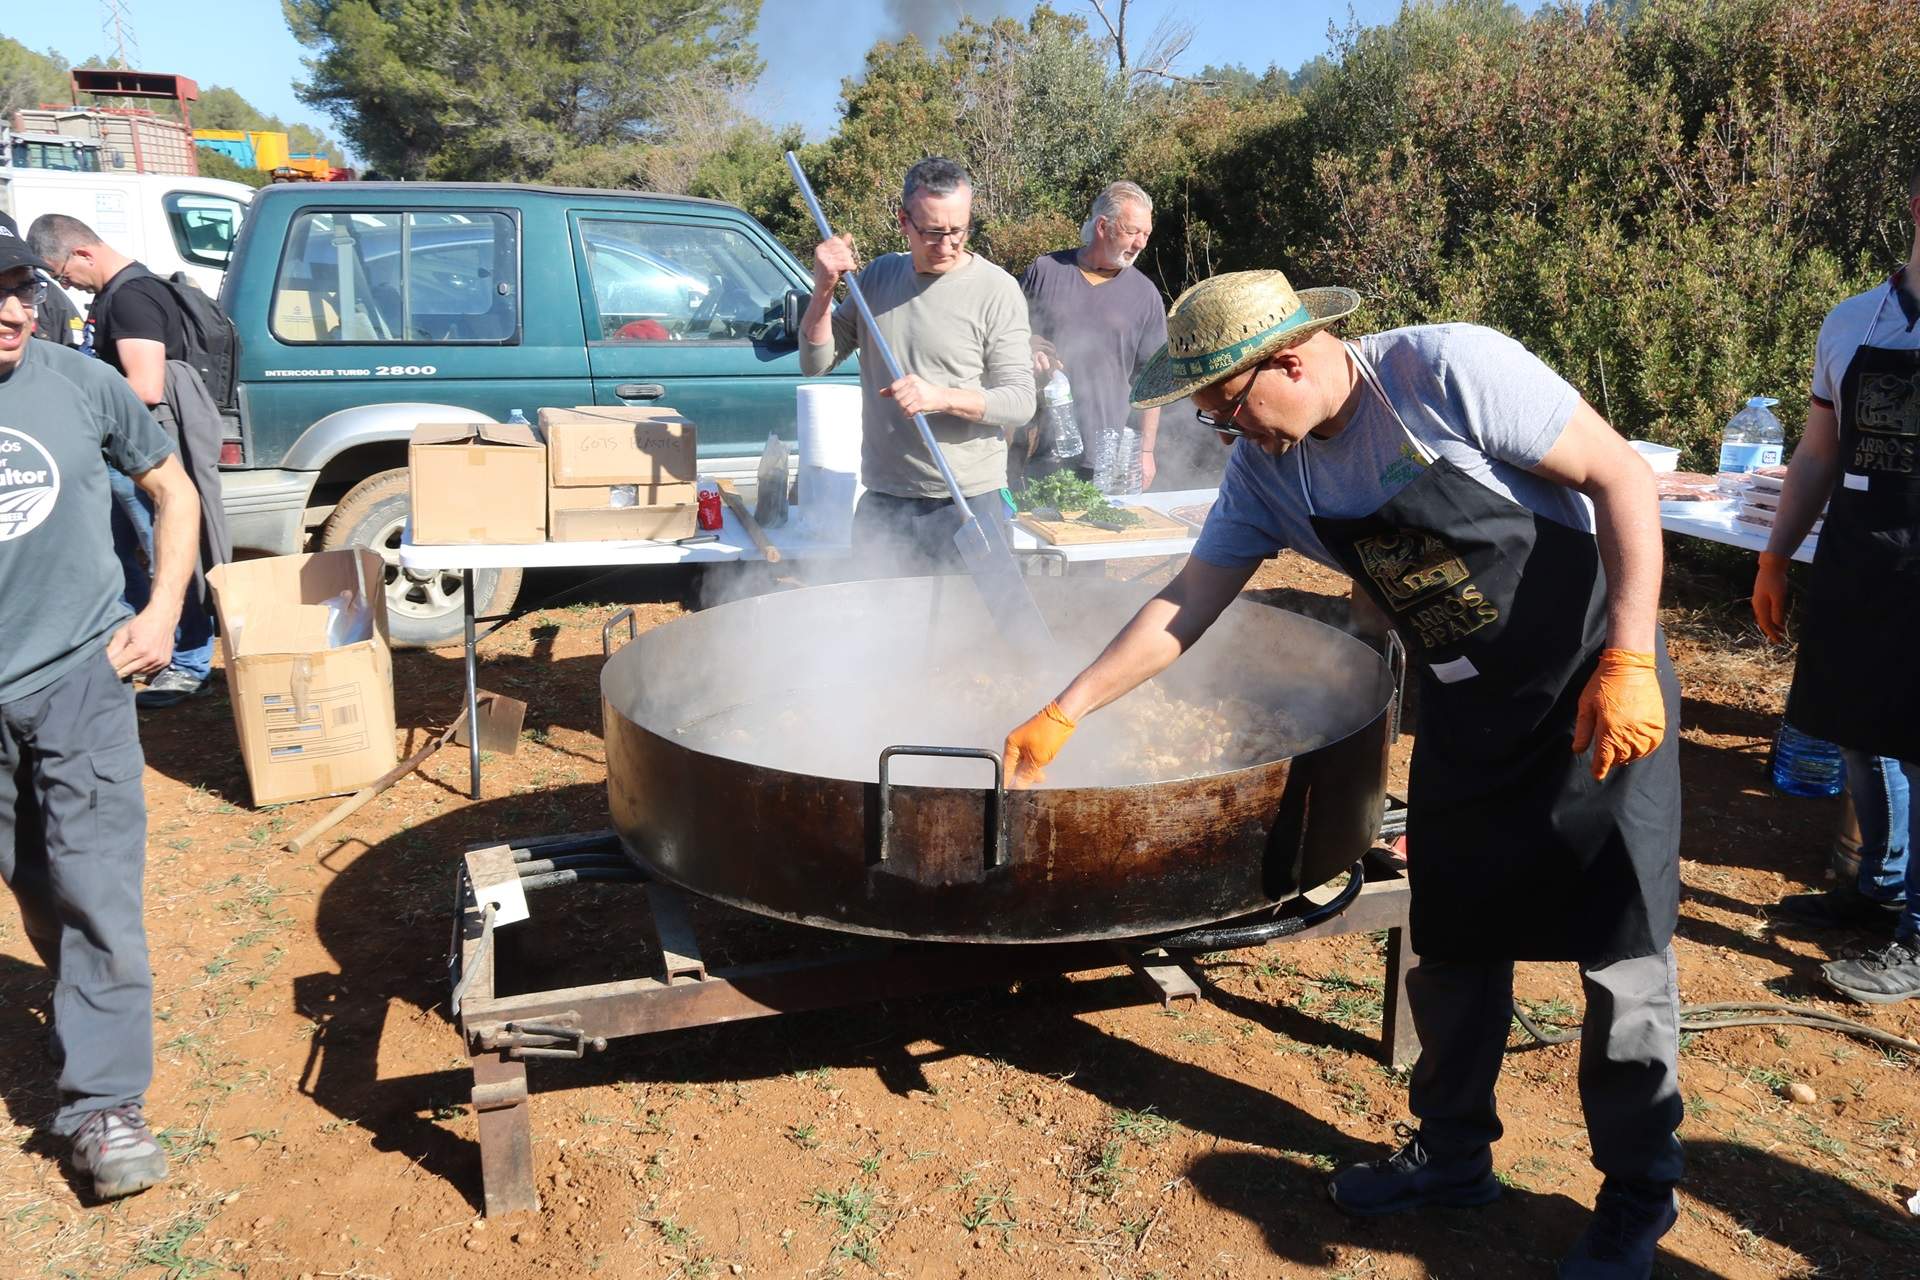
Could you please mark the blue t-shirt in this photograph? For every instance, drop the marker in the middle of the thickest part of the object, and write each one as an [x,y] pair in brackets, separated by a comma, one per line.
[1469,394]
[60,584]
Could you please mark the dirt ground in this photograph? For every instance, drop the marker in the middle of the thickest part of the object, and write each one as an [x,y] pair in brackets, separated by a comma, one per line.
[313,1093]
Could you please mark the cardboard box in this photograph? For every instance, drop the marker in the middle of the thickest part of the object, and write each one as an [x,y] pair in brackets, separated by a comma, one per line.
[604,497]
[314,718]
[620,524]
[477,482]
[596,445]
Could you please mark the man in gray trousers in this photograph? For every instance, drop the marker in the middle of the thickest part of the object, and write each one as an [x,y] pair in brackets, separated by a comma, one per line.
[73,818]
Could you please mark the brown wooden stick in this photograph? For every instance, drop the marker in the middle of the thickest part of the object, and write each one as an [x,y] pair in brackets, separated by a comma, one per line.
[744,515]
[353,803]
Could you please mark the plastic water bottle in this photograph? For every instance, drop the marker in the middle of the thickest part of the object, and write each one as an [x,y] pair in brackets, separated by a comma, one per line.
[1058,395]
[1753,438]
[515,418]
[1805,766]
[1120,470]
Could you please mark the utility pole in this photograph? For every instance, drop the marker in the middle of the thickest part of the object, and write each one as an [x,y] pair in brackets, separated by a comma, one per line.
[118,28]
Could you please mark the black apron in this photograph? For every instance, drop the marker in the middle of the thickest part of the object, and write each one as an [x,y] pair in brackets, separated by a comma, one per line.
[1515,852]
[1856,683]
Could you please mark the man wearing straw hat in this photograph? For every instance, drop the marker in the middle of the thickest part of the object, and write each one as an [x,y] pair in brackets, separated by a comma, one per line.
[1513,539]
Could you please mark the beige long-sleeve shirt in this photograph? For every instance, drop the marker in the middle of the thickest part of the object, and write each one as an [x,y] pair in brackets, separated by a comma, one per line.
[966,328]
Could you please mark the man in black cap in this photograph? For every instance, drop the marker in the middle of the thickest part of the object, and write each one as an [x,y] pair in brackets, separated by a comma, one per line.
[72,813]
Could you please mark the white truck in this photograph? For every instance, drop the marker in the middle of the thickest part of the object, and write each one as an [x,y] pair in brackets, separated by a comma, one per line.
[170,222]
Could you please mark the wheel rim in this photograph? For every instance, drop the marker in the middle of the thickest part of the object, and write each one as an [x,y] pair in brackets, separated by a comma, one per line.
[427,595]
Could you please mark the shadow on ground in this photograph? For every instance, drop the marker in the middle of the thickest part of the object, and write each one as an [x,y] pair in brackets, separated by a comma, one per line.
[386,922]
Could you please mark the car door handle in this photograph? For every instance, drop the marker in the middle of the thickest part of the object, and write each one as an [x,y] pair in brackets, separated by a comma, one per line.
[639,391]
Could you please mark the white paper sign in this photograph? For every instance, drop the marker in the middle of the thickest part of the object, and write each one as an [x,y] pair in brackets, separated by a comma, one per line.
[496,879]
[1453,672]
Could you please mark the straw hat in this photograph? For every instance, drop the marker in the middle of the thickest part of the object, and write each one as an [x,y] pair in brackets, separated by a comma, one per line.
[1226,323]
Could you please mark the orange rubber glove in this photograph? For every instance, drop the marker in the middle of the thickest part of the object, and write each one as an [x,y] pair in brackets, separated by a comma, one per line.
[1770,596]
[1032,746]
[1621,711]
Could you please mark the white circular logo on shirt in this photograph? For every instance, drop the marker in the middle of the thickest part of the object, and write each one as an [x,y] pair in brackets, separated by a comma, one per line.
[29,484]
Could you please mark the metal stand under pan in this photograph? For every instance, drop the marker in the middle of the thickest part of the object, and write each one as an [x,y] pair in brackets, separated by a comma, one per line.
[504,1032]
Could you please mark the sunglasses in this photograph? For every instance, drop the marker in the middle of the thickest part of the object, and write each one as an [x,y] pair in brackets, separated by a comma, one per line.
[1223,420]
[29,295]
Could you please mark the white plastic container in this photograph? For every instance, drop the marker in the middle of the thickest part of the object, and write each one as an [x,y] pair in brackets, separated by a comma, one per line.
[1659,456]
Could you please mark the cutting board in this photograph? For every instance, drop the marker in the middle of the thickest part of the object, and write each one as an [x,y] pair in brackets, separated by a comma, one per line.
[1068,533]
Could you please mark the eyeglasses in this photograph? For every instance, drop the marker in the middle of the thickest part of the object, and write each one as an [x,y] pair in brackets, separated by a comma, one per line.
[955,234]
[1223,421]
[29,295]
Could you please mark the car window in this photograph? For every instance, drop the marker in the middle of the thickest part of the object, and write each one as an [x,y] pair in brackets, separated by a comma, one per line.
[439,276]
[676,282]
[203,226]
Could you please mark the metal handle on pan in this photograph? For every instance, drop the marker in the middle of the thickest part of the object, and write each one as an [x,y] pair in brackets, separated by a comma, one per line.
[606,631]
[1397,668]
[997,801]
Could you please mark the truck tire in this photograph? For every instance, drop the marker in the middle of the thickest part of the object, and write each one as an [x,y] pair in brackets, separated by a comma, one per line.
[423,608]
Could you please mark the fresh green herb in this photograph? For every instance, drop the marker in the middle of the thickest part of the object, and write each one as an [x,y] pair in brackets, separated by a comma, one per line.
[1075,499]
[1063,490]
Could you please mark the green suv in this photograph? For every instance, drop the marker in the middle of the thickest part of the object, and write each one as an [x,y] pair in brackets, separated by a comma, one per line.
[364,309]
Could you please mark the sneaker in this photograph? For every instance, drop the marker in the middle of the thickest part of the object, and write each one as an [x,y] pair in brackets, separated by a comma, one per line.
[1414,1178]
[1618,1244]
[118,1149]
[169,687]
[1841,909]
[1885,975]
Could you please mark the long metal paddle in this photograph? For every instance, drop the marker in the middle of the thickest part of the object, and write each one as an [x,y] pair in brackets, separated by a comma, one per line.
[1001,584]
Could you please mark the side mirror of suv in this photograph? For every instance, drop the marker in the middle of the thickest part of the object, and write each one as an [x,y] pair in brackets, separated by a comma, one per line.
[792,307]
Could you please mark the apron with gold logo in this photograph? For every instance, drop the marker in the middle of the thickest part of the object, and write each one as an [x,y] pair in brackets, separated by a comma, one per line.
[1857,683]
[1515,852]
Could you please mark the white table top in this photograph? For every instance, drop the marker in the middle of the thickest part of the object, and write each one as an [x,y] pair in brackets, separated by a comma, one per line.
[1025,543]
[732,543]
[1714,522]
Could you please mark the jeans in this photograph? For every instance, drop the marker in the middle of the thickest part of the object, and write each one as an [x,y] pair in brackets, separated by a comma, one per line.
[1879,788]
[133,542]
[73,848]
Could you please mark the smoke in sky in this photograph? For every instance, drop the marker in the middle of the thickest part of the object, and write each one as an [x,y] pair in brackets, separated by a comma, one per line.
[929,20]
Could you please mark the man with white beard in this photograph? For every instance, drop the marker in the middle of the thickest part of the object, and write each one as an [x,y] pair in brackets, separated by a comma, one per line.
[1097,318]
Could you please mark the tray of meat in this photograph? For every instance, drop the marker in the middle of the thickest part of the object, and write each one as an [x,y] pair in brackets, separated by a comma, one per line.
[1689,493]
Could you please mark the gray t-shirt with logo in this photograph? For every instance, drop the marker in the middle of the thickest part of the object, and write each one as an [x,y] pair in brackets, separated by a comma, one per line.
[1471,395]
[60,584]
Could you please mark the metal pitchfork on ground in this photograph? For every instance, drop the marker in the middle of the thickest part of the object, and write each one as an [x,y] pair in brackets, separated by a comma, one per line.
[999,580]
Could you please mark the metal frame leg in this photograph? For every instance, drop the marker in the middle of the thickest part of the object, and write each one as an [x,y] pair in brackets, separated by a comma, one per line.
[506,1134]
[473,688]
[1397,1035]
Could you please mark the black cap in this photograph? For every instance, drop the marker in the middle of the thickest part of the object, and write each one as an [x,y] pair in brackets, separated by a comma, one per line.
[14,253]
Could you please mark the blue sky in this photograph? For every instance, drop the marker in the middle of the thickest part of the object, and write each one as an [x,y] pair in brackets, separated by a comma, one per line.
[809,45]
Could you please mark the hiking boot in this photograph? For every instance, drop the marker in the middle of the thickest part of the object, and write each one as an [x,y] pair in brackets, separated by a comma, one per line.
[1841,909]
[1618,1244]
[119,1150]
[1885,975]
[1414,1178]
[168,688]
